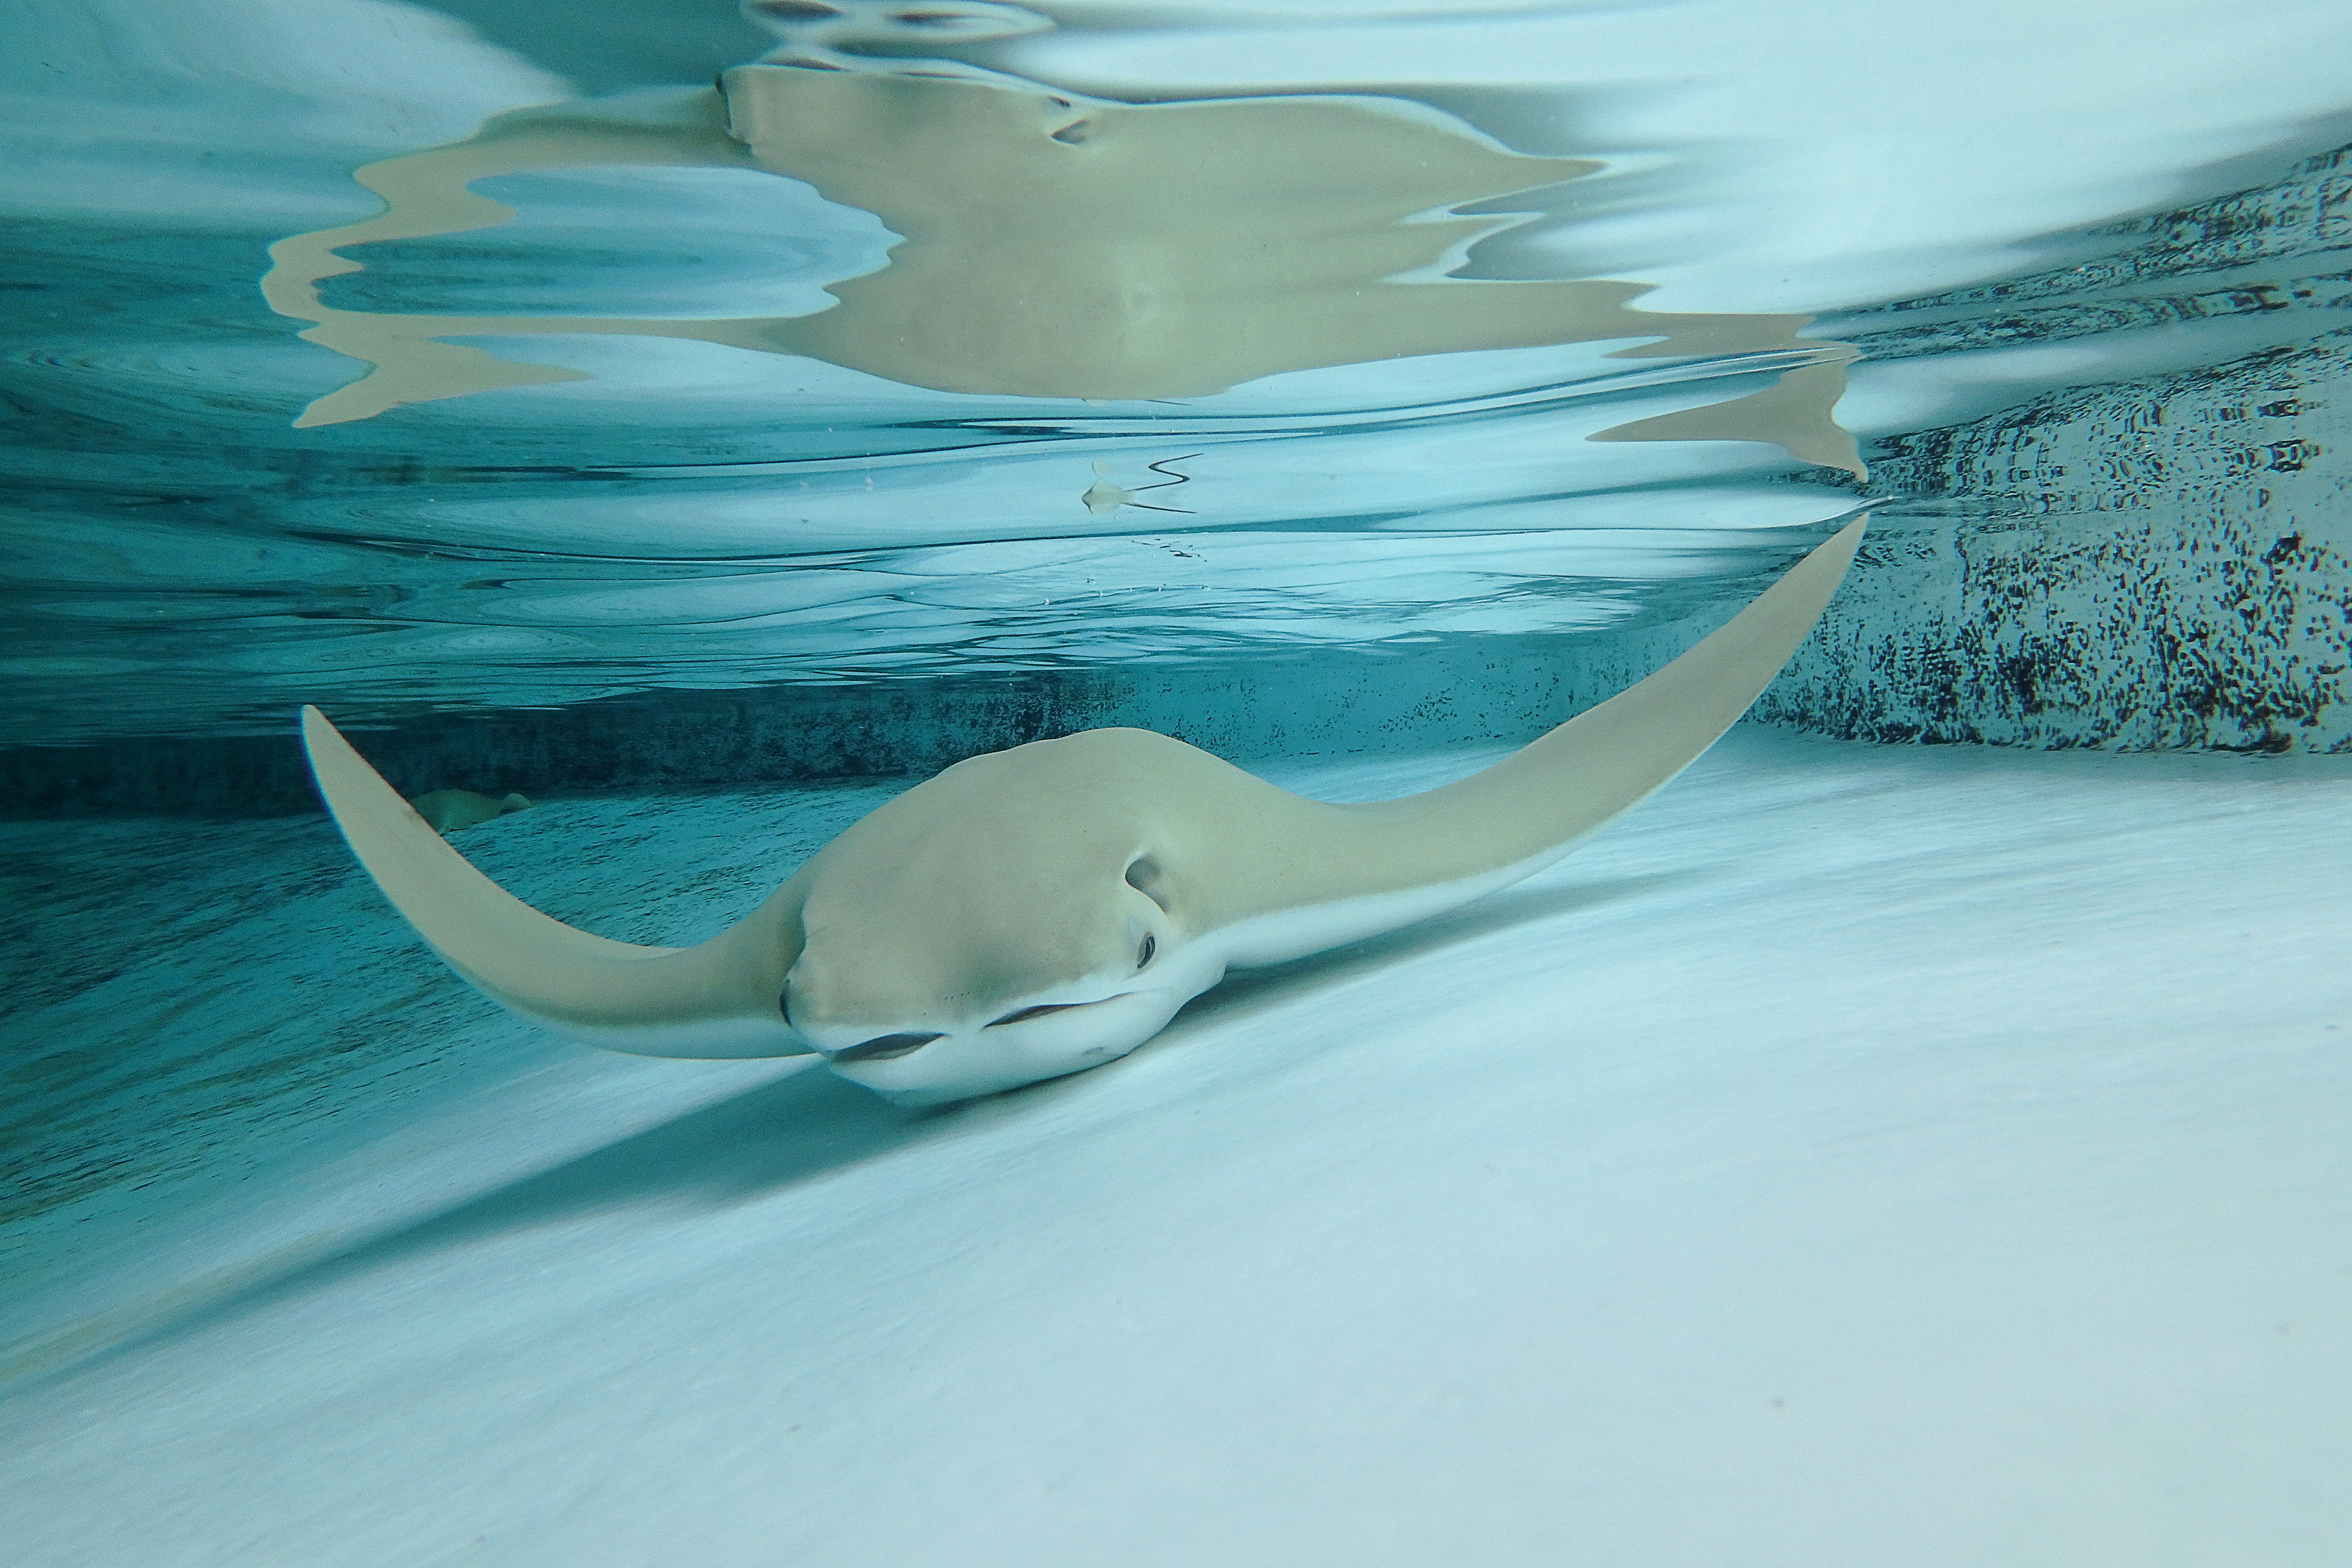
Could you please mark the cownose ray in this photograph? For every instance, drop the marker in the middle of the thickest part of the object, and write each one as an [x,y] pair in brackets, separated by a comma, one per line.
[1035,911]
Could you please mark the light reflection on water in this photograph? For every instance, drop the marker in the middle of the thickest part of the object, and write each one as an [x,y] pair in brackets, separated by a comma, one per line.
[858,365]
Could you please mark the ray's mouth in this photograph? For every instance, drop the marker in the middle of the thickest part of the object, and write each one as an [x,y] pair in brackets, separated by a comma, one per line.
[884,1047]
[1025,1014]
[890,1047]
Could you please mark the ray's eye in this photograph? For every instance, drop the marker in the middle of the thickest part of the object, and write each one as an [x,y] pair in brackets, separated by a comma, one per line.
[1143,953]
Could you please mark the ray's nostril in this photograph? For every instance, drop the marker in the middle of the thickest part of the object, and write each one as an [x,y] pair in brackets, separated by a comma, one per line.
[883,1047]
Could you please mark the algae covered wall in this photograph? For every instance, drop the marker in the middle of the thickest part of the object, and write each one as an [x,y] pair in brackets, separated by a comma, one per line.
[2154,557]
[2230,633]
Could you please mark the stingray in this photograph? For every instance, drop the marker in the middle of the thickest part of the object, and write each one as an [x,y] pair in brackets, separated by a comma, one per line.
[1035,911]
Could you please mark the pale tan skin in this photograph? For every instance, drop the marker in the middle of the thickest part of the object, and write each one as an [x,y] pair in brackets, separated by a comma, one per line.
[1055,245]
[1039,911]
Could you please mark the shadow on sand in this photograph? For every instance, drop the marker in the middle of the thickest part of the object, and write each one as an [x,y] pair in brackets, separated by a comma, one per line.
[796,1128]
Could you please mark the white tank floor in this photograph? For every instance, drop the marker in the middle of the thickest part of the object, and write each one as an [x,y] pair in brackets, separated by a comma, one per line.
[1856,1157]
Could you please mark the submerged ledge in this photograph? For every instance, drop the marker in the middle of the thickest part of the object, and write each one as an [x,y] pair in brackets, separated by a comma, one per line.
[2228,632]
[1486,689]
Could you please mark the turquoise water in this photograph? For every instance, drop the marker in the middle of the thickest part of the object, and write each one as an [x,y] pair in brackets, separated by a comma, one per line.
[706,421]
[186,562]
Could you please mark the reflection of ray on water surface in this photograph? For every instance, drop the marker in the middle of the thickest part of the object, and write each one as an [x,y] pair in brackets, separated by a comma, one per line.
[1060,246]
[690,514]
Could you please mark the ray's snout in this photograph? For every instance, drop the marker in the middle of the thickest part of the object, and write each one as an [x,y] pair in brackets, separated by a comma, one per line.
[884,1047]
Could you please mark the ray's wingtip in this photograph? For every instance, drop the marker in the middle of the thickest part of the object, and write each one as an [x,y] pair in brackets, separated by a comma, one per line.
[317,729]
[1841,545]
